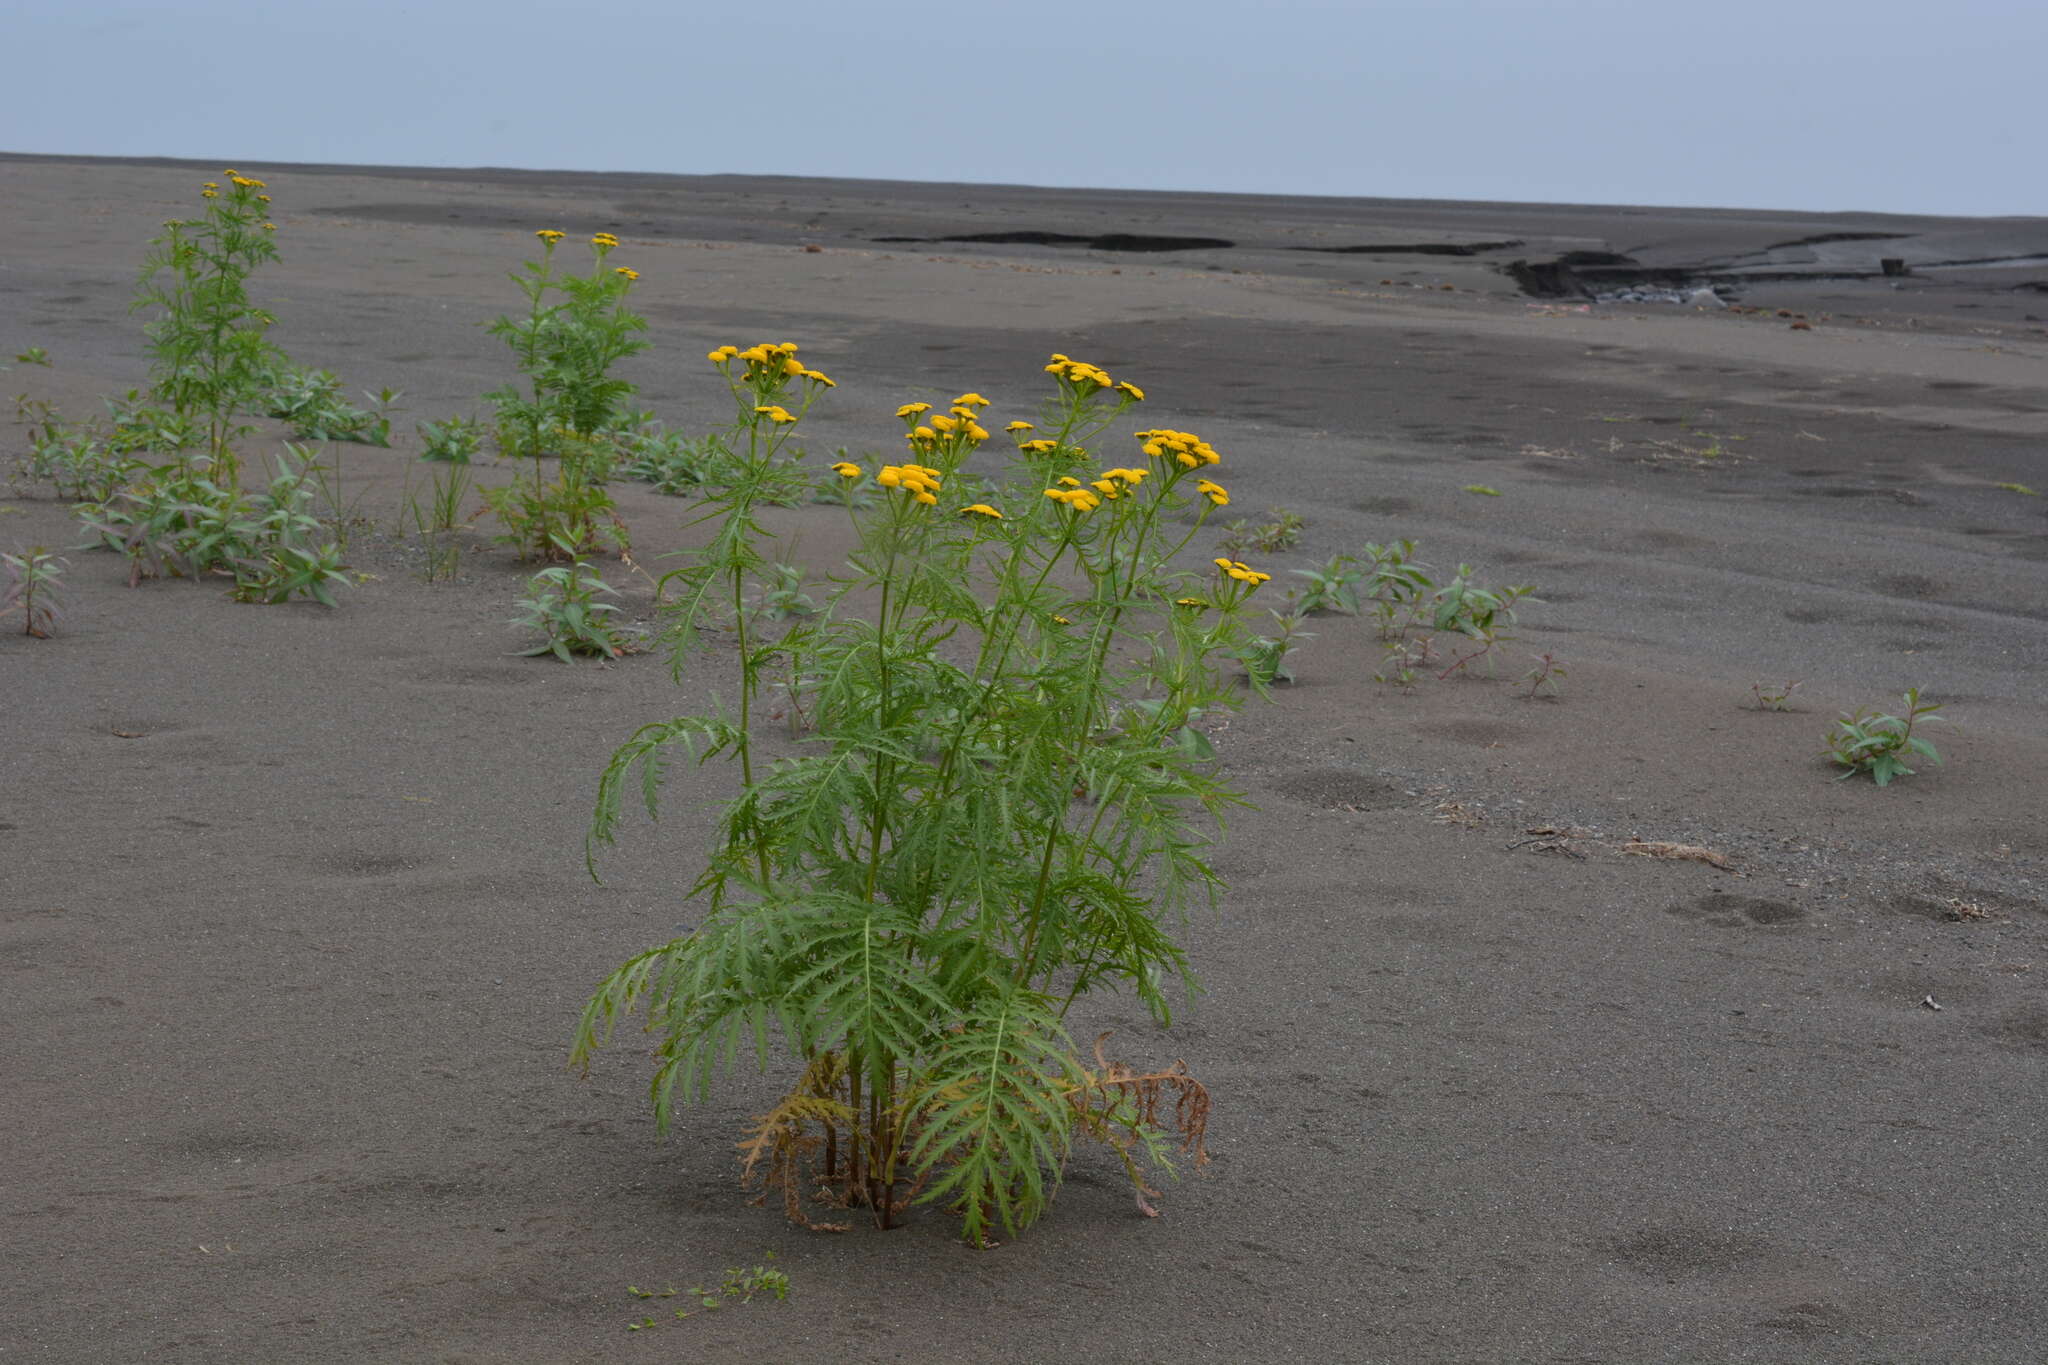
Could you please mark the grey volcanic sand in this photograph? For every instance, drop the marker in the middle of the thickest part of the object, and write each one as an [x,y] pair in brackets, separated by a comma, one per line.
[293,929]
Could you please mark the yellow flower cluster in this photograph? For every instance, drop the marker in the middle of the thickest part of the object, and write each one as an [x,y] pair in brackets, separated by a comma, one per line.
[270,227]
[920,482]
[630,274]
[1020,426]
[776,413]
[1074,497]
[211,185]
[846,469]
[944,432]
[1213,492]
[549,235]
[1188,449]
[1243,573]
[605,240]
[982,509]
[1039,447]
[1114,483]
[1079,372]
[770,361]
[243,182]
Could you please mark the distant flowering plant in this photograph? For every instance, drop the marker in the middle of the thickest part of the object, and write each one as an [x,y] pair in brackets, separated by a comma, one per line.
[913,902]
[209,356]
[576,327]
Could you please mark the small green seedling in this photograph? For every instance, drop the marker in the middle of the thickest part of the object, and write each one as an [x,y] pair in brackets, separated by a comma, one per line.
[1481,489]
[1772,697]
[34,355]
[1546,679]
[32,589]
[740,1285]
[1869,741]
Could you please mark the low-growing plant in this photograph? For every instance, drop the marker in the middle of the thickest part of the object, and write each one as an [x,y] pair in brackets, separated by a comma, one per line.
[1332,588]
[1870,741]
[80,462]
[1766,696]
[32,582]
[563,518]
[452,440]
[913,901]
[1281,530]
[739,1286]
[1478,613]
[34,355]
[313,403]
[1402,657]
[1265,656]
[781,594]
[564,604]
[675,464]
[143,427]
[1397,585]
[1546,679]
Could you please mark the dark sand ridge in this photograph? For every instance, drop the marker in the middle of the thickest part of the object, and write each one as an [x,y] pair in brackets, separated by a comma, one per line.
[293,970]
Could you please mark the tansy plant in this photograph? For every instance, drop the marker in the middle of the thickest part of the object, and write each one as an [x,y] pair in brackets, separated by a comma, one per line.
[208,355]
[998,807]
[575,328]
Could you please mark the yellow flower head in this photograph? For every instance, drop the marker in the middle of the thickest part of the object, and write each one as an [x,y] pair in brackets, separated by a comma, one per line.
[817,377]
[1020,426]
[549,235]
[792,367]
[1061,620]
[604,239]
[970,400]
[209,194]
[231,172]
[1067,481]
[622,270]
[722,354]
[1213,492]
[1039,447]
[945,423]
[910,410]
[923,434]
[982,509]
[846,469]
[270,227]
[210,185]
[1131,391]
[917,480]
[776,413]
[263,198]
[1195,602]
[1243,573]
[1075,499]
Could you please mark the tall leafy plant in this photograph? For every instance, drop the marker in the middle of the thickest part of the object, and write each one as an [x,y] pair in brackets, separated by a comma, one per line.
[1001,807]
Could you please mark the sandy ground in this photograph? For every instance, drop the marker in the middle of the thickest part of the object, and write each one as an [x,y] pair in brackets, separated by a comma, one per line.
[293,927]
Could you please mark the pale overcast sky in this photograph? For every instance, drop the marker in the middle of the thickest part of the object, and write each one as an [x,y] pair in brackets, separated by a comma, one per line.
[1802,104]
